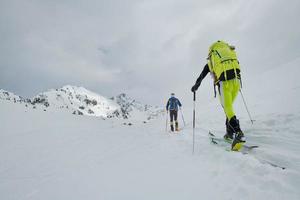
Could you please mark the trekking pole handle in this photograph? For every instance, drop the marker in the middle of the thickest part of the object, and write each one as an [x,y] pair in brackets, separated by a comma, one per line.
[194,96]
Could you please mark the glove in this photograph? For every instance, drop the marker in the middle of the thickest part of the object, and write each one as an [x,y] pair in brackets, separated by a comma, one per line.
[194,88]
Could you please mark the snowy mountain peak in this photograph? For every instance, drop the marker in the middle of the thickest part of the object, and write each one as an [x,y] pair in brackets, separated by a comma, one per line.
[129,107]
[81,101]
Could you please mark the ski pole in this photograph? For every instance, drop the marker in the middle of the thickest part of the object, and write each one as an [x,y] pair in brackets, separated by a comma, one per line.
[182,117]
[246,107]
[167,121]
[194,105]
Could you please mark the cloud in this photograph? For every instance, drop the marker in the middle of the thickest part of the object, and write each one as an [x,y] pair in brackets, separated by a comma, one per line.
[140,47]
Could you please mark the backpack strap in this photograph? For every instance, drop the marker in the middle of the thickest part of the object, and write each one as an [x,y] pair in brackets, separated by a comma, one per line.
[215,92]
[225,73]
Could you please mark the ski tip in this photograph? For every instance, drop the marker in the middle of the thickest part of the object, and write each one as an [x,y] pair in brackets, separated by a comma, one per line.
[237,146]
[275,165]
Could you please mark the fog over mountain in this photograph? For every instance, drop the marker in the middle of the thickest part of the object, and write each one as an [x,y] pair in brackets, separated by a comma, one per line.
[146,49]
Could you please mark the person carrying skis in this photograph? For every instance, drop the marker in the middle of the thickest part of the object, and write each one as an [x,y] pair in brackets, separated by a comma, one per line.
[225,70]
[172,105]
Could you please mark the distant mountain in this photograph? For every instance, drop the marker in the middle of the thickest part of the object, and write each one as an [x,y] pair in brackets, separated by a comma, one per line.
[130,107]
[80,101]
[9,96]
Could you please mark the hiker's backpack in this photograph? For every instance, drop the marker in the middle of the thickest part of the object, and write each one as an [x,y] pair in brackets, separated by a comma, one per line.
[174,103]
[221,58]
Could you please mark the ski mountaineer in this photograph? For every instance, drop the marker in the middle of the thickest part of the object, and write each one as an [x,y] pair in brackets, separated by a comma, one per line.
[225,71]
[172,105]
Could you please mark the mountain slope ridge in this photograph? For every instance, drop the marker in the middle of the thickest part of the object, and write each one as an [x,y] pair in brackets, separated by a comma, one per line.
[80,101]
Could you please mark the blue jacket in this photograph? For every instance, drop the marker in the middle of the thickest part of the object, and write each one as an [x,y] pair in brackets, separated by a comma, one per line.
[173,104]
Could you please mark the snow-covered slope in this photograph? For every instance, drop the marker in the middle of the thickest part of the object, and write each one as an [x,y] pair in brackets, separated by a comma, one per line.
[59,156]
[276,90]
[55,155]
[78,100]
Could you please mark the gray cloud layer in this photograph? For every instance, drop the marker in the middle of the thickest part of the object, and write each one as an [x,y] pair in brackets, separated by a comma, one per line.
[145,48]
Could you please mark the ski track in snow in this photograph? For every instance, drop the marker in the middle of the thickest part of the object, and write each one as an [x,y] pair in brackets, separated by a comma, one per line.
[61,156]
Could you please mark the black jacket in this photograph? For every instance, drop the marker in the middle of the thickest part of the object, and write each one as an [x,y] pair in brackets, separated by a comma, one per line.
[230,74]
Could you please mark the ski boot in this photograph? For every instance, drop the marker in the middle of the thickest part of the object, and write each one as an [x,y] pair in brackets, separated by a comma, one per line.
[238,141]
[229,132]
[176,126]
[172,127]
[239,138]
[228,137]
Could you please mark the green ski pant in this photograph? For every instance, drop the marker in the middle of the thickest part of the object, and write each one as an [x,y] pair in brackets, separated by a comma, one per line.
[228,91]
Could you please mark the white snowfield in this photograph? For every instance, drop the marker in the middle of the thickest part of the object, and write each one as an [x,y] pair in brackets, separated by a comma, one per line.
[55,155]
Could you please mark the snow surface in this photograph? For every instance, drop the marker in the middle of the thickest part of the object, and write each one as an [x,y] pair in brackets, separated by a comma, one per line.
[55,155]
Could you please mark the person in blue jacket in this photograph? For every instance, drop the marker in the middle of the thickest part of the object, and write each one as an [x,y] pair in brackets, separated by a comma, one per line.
[172,106]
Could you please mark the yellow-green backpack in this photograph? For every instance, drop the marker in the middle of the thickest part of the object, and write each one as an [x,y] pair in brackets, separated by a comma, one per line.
[222,57]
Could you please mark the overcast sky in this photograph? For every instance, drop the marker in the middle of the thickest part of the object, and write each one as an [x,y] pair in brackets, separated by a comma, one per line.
[146,48]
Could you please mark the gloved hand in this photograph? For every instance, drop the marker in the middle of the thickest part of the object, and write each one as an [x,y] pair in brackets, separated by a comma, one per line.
[194,88]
